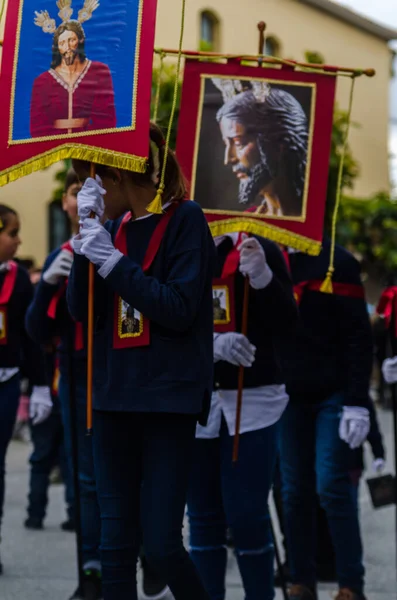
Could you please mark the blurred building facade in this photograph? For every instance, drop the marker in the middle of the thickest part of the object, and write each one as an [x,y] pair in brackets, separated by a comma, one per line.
[341,36]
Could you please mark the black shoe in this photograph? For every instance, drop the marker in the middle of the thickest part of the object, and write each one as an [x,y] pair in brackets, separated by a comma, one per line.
[152,587]
[69,526]
[34,523]
[91,586]
[301,592]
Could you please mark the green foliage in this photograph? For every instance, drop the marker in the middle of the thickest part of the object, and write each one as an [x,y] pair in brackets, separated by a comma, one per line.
[370,228]
[315,58]
[205,46]
[166,97]
[350,168]
[60,178]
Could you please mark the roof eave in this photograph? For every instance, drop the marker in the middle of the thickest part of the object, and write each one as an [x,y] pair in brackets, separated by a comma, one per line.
[348,16]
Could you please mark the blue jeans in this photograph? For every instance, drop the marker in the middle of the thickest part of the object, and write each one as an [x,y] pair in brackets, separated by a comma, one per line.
[9,401]
[224,495]
[48,450]
[89,508]
[142,463]
[314,458]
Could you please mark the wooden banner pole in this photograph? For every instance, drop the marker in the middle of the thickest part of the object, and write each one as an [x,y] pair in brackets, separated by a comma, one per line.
[90,333]
[244,331]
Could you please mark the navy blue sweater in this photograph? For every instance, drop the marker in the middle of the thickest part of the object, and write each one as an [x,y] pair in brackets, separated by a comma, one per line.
[174,373]
[272,313]
[332,348]
[20,351]
[44,330]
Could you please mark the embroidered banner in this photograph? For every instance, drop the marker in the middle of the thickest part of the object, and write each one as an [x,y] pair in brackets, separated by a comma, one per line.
[255,144]
[75,82]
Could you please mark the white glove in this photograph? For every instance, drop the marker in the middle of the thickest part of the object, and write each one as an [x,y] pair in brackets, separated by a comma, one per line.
[40,404]
[389,370]
[59,268]
[90,199]
[354,426]
[95,243]
[253,263]
[76,244]
[378,465]
[234,348]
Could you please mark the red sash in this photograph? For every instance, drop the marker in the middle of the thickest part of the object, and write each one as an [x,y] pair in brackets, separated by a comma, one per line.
[52,309]
[387,307]
[350,290]
[223,292]
[5,295]
[131,328]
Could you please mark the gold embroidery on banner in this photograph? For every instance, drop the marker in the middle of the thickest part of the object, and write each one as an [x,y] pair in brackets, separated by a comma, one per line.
[65,136]
[204,77]
[123,332]
[66,86]
[137,56]
[221,304]
[111,158]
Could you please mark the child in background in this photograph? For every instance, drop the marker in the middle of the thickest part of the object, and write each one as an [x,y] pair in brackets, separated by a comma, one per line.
[48,317]
[17,351]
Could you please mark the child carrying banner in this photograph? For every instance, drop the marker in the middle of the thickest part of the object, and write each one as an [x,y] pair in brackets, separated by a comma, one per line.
[223,494]
[152,379]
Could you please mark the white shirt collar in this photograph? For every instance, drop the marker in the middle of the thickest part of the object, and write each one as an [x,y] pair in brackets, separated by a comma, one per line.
[166,205]
[220,238]
[5,266]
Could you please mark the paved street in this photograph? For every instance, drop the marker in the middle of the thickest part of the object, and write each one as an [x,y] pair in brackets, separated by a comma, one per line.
[41,565]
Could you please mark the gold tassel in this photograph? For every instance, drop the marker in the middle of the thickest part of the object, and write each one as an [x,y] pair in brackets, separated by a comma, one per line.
[327,287]
[156,206]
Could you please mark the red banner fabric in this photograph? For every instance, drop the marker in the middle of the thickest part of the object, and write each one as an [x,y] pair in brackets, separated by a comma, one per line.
[75,84]
[254,144]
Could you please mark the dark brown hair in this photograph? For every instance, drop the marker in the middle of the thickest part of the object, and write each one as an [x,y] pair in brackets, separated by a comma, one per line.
[79,31]
[5,211]
[71,179]
[175,183]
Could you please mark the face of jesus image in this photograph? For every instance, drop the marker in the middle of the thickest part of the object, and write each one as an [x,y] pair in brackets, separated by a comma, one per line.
[266,148]
[68,45]
[242,154]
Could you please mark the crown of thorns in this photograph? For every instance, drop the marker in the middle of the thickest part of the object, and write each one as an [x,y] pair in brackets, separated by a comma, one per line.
[48,25]
[230,88]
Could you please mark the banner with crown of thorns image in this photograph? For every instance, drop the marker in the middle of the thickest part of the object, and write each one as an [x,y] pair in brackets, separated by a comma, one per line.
[71,76]
[254,143]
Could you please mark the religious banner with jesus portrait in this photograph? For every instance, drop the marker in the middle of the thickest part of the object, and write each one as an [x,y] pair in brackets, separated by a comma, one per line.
[254,144]
[75,82]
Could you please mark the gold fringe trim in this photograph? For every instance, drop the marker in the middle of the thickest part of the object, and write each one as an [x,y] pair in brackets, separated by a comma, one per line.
[281,236]
[79,152]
